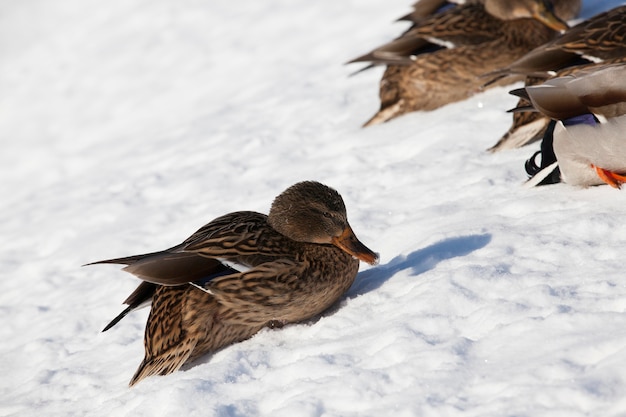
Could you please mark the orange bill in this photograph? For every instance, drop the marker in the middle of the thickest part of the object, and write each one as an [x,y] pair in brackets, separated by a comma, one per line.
[348,242]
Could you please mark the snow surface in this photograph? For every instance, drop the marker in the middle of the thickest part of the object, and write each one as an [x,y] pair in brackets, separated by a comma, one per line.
[128,124]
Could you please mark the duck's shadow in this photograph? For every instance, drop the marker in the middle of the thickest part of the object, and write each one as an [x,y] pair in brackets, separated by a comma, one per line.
[418,262]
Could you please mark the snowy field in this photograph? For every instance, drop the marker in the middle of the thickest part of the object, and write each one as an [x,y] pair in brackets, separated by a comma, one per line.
[128,124]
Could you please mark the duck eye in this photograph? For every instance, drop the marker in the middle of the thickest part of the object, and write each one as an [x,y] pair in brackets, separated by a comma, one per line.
[327,215]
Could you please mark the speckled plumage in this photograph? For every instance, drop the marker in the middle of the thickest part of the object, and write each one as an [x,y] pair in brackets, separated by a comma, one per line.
[242,272]
[598,40]
[443,57]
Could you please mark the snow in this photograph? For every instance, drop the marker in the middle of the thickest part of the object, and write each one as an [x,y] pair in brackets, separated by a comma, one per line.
[128,124]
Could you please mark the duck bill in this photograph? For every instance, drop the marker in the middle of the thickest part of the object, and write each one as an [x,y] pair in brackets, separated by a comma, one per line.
[348,242]
[546,15]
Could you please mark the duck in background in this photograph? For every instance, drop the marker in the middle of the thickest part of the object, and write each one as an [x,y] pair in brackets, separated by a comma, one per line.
[442,57]
[598,40]
[242,272]
[585,143]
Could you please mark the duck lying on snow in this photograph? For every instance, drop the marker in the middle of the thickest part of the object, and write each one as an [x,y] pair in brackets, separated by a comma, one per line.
[242,272]
[598,40]
[586,144]
[442,57]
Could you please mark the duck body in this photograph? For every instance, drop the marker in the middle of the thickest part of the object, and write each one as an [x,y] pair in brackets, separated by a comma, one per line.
[588,109]
[242,272]
[596,41]
[448,75]
[442,58]
[582,149]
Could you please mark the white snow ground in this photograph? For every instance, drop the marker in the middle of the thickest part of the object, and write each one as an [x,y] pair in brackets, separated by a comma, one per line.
[128,124]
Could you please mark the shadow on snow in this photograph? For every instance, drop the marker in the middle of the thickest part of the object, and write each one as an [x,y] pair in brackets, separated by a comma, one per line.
[418,262]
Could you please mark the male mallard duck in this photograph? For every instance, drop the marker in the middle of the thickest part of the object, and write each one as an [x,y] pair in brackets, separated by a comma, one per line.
[586,141]
[442,57]
[242,272]
[599,39]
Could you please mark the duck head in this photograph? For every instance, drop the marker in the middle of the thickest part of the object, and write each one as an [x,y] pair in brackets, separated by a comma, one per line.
[314,213]
[540,10]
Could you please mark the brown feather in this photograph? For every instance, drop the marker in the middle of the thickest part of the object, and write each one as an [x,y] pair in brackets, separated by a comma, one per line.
[470,43]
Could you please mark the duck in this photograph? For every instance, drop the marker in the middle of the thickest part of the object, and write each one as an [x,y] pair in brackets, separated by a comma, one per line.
[242,272]
[596,41]
[442,57]
[584,144]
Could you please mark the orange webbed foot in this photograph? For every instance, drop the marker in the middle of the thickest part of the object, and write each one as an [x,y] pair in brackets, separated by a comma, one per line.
[614,179]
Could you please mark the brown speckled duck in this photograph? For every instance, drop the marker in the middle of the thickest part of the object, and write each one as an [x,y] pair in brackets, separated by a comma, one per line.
[596,41]
[441,59]
[242,272]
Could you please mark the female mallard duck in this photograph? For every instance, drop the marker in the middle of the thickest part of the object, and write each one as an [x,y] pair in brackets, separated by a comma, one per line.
[442,57]
[599,39]
[242,272]
[586,141]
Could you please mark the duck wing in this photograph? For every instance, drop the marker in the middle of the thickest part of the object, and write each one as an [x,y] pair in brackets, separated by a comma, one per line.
[598,39]
[228,244]
[225,246]
[164,268]
[453,26]
[169,267]
[599,90]
[141,296]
